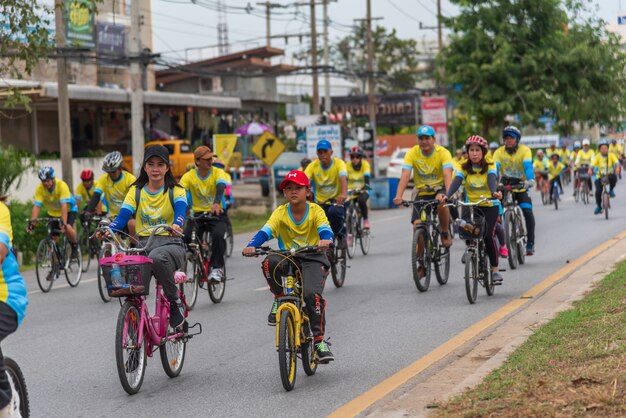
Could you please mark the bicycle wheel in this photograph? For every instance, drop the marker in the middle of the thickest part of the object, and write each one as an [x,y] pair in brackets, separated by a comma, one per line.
[83,242]
[365,239]
[46,265]
[287,350]
[576,192]
[584,194]
[216,290]
[487,280]
[230,242]
[105,251]
[420,240]
[351,232]
[19,400]
[130,353]
[307,350]
[555,198]
[520,239]
[605,204]
[193,271]
[73,266]
[510,238]
[339,267]
[471,276]
[173,354]
[442,262]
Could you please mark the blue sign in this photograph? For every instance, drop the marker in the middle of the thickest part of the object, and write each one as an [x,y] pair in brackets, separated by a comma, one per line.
[621,20]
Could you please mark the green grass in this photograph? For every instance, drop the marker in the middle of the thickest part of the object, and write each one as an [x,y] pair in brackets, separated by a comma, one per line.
[575,365]
[247,221]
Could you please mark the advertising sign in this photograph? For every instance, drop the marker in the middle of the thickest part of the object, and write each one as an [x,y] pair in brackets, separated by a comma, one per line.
[111,43]
[392,109]
[434,114]
[224,146]
[79,23]
[331,133]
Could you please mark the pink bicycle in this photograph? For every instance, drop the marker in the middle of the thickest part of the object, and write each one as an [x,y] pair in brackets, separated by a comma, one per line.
[138,334]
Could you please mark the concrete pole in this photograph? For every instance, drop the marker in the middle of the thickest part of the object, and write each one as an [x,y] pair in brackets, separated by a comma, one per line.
[136,98]
[326,74]
[65,133]
[371,86]
[439,31]
[316,89]
[267,23]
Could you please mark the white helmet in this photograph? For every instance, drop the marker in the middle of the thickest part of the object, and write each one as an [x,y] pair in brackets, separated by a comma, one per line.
[539,152]
[112,161]
[586,142]
[577,144]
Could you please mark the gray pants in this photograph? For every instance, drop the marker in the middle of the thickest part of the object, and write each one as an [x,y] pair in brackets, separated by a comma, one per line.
[8,324]
[168,255]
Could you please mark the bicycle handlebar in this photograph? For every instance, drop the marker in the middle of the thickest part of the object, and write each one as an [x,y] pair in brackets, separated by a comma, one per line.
[311,249]
[425,202]
[153,231]
[456,202]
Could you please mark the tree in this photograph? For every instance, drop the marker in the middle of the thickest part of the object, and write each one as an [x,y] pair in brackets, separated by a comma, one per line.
[13,164]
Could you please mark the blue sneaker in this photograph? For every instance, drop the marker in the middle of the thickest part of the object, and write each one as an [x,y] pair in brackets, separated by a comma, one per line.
[612,193]
[597,211]
[530,249]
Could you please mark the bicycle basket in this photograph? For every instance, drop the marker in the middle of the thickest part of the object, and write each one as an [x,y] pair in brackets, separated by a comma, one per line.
[136,272]
[477,226]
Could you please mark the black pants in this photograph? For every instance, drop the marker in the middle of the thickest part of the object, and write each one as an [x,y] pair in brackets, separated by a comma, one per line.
[612,182]
[168,256]
[216,226]
[336,216]
[8,325]
[491,219]
[526,204]
[362,202]
[314,270]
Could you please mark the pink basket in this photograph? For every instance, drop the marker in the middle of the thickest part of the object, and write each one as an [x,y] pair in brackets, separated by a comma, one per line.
[136,272]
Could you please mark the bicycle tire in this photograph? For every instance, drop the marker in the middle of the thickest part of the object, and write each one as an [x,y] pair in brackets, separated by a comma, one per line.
[487,279]
[423,283]
[230,241]
[85,251]
[287,350]
[471,276]
[511,239]
[442,263]
[193,271]
[216,290]
[73,266]
[576,192]
[307,350]
[19,389]
[172,354]
[351,233]
[365,238]
[45,255]
[105,251]
[339,267]
[606,204]
[555,197]
[520,240]
[132,370]
[585,192]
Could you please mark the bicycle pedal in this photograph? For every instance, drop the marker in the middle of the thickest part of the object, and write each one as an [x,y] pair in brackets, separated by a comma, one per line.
[497,283]
[195,332]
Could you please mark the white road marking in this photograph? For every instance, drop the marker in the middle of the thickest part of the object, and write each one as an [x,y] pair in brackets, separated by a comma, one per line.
[261,289]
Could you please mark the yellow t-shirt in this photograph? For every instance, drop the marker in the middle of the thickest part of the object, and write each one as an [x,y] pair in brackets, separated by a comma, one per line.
[564,154]
[201,191]
[476,186]
[326,182]
[549,153]
[616,150]
[153,208]
[114,192]
[51,200]
[604,165]
[584,157]
[12,286]
[512,165]
[427,169]
[290,234]
[356,179]
[555,170]
[540,165]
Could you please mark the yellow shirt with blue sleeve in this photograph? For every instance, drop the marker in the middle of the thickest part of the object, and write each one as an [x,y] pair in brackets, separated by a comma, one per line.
[616,149]
[201,191]
[584,157]
[325,181]
[427,169]
[83,196]
[476,185]
[540,165]
[114,191]
[153,208]
[604,165]
[51,199]
[555,170]
[291,234]
[515,165]
[564,154]
[12,285]
[356,178]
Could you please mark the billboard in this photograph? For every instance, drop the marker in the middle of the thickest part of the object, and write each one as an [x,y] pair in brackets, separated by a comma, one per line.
[434,113]
[315,133]
[79,23]
[111,43]
[392,109]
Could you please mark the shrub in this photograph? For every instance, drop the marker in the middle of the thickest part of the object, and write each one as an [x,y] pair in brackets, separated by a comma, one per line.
[23,241]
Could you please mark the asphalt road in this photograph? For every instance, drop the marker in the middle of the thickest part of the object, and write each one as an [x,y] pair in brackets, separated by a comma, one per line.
[378,323]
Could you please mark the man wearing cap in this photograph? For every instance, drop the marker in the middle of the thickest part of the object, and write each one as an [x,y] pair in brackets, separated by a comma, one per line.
[205,189]
[432,175]
[329,179]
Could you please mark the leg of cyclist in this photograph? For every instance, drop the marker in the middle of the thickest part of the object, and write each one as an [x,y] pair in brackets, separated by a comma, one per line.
[314,272]
[70,233]
[550,186]
[526,204]
[491,219]
[598,209]
[612,183]
[504,252]
[189,226]
[558,180]
[415,220]
[8,324]
[336,216]
[444,220]
[362,202]
[217,228]
[272,270]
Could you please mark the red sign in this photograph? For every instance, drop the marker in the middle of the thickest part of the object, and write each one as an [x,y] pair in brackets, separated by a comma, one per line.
[434,114]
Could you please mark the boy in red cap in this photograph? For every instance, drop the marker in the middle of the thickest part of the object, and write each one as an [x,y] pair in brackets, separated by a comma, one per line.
[298,224]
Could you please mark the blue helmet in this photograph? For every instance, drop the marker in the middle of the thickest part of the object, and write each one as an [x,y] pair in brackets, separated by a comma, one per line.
[46,173]
[426,130]
[512,131]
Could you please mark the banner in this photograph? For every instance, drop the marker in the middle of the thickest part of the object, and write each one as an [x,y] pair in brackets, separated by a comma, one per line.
[392,109]
[224,146]
[111,43]
[79,23]
[331,133]
[434,114]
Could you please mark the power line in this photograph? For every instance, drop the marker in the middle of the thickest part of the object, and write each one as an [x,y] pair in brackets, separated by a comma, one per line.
[427,9]
[405,14]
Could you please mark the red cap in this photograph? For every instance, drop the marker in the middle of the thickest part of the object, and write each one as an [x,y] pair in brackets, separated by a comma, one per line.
[295,176]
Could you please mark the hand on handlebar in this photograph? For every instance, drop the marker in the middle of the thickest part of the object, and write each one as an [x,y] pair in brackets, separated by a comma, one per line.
[30,226]
[497,194]
[216,209]
[324,243]
[397,200]
[441,198]
[340,199]
[176,231]
[249,252]
[529,184]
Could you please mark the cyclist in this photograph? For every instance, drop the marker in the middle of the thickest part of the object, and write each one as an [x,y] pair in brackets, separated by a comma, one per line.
[359,173]
[583,160]
[432,174]
[552,150]
[555,168]
[85,190]
[565,155]
[329,177]
[54,195]
[161,201]
[493,146]
[13,301]
[540,166]
[515,161]
[205,192]
[298,224]
[479,174]
[304,163]
[113,186]
[604,163]
[616,149]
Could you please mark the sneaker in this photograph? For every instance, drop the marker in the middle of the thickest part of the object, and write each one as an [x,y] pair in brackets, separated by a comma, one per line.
[271,318]
[530,249]
[323,352]
[611,193]
[177,314]
[496,278]
[217,274]
[597,210]
[504,252]
[342,243]
[74,255]
[366,224]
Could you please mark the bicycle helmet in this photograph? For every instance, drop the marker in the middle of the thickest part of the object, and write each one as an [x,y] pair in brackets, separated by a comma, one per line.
[86,174]
[357,151]
[477,140]
[513,132]
[463,149]
[603,141]
[46,173]
[539,152]
[493,145]
[112,161]
[586,142]
[577,145]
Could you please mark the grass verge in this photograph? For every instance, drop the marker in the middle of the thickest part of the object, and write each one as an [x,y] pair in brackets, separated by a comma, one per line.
[575,365]
[247,221]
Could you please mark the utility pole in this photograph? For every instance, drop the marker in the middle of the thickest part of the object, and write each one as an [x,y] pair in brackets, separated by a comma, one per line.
[326,63]
[268,6]
[439,34]
[65,134]
[316,89]
[371,86]
[136,85]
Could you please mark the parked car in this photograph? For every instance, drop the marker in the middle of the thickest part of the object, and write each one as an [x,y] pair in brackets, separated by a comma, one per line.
[394,169]
[180,151]
[284,164]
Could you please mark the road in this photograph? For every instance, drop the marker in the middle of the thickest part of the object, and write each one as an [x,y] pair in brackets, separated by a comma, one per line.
[378,323]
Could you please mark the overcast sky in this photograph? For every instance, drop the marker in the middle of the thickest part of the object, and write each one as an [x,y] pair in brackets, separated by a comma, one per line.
[181,24]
